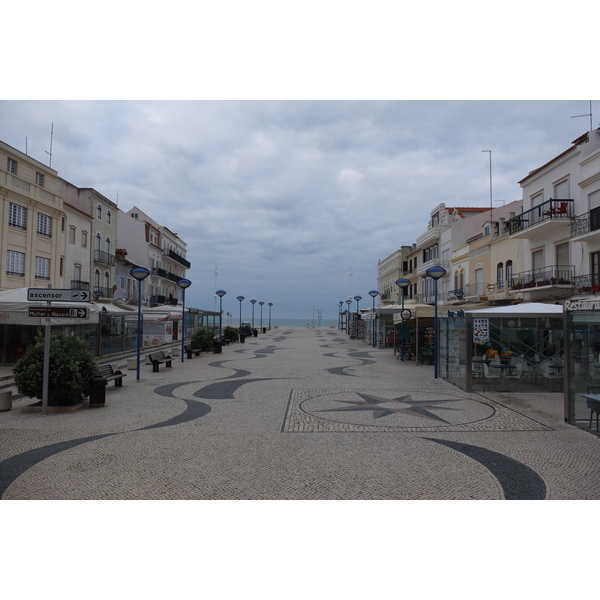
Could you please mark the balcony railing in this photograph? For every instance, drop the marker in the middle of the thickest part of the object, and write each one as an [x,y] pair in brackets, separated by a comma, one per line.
[551,209]
[586,284]
[104,257]
[76,284]
[105,292]
[177,258]
[552,275]
[586,223]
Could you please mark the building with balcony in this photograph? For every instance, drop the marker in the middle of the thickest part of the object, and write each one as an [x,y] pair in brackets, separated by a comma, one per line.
[434,249]
[32,223]
[99,240]
[560,225]
[146,243]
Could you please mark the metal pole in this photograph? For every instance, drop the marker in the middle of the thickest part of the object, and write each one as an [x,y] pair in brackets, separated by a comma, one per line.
[402,316]
[139,328]
[182,323]
[435,340]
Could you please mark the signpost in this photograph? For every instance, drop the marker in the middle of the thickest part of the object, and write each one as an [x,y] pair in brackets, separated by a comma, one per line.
[49,312]
[52,295]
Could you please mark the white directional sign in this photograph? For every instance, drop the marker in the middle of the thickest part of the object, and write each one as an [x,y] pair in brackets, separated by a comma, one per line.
[62,312]
[51,295]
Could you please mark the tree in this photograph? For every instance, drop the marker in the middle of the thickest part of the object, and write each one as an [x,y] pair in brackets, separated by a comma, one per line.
[71,370]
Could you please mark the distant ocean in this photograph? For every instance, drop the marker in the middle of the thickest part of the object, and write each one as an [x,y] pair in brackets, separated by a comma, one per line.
[297,323]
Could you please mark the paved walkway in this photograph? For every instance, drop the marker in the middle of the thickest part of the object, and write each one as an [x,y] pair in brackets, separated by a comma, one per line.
[298,414]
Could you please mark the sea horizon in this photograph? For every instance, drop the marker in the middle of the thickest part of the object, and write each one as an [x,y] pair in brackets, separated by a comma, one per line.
[282,322]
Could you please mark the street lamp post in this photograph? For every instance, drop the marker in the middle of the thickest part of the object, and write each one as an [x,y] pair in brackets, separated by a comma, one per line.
[253,302]
[261,305]
[357,298]
[139,273]
[402,284]
[373,294]
[240,298]
[183,284]
[220,293]
[340,303]
[435,273]
[270,307]
[348,302]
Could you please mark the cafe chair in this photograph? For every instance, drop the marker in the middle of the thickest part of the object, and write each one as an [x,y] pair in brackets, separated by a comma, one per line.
[489,377]
[554,379]
[594,405]
[477,370]
[515,375]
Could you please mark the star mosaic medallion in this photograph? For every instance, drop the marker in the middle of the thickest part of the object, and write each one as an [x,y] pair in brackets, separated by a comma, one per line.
[386,410]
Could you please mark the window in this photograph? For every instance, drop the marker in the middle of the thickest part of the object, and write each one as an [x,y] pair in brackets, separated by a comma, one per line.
[500,276]
[108,217]
[17,216]
[15,263]
[108,245]
[39,179]
[96,279]
[11,166]
[61,266]
[595,267]
[561,190]
[99,212]
[562,254]
[42,267]
[44,225]
[84,236]
[77,272]
[537,260]
[98,242]
[71,235]
[509,273]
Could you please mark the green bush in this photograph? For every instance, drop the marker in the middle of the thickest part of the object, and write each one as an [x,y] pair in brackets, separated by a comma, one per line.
[231,334]
[246,330]
[204,339]
[70,371]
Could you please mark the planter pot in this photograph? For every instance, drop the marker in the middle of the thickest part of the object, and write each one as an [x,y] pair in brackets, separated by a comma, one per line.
[5,401]
[132,364]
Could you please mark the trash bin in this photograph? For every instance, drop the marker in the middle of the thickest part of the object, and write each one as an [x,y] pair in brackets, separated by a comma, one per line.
[98,392]
[242,338]
[218,347]
[5,400]
[264,330]
[255,332]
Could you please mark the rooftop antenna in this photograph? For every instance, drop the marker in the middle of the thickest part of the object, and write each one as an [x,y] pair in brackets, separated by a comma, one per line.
[50,153]
[588,115]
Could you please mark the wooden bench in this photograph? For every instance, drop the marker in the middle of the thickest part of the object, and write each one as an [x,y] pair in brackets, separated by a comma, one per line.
[159,358]
[190,351]
[107,373]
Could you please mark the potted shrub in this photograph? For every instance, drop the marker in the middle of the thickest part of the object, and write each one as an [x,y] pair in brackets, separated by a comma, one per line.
[203,339]
[70,371]
[231,334]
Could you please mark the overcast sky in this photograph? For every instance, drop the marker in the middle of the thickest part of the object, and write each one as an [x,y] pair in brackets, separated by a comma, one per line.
[285,196]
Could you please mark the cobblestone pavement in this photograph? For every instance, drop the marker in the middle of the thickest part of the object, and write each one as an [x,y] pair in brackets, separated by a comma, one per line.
[298,414]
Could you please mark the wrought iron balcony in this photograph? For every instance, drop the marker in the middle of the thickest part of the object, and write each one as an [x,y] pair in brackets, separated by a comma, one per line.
[182,261]
[551,276]
[586,284]
[586,223]
[549,211]
[104,257]
[76,284]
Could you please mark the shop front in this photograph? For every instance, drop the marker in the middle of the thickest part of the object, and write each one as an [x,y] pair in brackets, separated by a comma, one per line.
[582,405]
[517,348]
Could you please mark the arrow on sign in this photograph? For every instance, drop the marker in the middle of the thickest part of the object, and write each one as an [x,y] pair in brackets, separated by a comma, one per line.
[83,295]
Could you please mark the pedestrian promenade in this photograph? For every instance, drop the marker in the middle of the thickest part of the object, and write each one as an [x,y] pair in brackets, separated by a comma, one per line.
[298,414]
